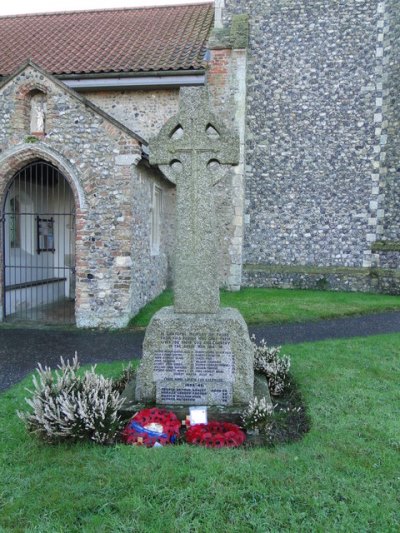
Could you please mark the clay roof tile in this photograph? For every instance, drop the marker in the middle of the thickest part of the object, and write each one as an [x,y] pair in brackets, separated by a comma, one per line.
[115,40]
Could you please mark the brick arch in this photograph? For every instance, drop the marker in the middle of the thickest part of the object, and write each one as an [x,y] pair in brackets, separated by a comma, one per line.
[27,88]
[11,161]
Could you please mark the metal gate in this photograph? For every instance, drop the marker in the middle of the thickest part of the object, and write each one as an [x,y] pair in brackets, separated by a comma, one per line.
[38,246]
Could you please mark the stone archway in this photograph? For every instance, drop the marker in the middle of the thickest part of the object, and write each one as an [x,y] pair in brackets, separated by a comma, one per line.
[12,160]
[38,236]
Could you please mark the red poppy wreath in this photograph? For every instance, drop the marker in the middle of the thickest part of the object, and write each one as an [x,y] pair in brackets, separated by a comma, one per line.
[151,426]
[216,435]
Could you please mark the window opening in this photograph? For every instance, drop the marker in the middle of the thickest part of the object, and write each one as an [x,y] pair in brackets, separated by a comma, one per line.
[156,220]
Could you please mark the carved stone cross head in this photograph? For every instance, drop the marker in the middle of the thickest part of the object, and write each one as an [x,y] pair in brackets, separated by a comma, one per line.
[191,150]
[194,141]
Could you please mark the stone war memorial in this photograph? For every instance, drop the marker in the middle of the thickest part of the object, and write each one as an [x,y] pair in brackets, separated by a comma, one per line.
[195,353]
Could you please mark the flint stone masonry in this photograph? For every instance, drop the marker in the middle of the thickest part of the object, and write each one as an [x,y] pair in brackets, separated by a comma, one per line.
[151,273]
[322,124]
[115,271]
[375,280]
[195,353]
[390,133]
[144,112]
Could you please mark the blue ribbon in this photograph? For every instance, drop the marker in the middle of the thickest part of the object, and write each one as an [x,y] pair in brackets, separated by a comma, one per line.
[140,429]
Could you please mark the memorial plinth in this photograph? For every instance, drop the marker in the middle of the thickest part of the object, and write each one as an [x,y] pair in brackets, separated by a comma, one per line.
[196,359]
[195,353]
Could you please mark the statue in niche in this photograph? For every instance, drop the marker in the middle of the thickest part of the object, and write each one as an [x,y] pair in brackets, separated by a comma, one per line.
[38,113]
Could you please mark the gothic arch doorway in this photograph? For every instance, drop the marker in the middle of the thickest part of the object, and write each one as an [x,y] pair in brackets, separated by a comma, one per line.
[38,227]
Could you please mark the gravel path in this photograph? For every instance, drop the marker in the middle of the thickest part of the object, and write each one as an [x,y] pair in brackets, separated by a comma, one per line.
[22,349]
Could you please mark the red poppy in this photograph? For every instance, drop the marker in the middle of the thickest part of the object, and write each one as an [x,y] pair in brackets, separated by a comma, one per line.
[215,435]
[150,426]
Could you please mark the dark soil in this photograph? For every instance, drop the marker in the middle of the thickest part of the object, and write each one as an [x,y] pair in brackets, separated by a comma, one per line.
[291,420]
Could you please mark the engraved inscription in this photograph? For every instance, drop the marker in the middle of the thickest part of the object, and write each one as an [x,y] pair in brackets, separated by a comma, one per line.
[194,369]
[219,396]
[170,363]
[189,393]
[189,356]
[193,393]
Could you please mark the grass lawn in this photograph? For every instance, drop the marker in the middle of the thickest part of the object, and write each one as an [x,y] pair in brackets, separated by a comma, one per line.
[275,306]
[343,476]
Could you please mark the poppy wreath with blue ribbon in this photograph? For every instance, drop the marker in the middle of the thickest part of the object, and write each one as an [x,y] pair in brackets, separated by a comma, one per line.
[151,426]
[215,435]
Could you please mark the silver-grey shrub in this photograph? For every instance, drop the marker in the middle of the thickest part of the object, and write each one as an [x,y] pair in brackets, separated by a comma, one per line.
[270,362]
[259,415]
[69,406]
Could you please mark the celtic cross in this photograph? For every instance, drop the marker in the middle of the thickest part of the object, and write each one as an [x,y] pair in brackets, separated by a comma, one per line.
[190,150]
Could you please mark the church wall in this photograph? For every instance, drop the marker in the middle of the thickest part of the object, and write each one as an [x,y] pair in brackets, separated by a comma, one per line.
[99,159]
[388,245]
[144,112]
[152,271]
[314,189]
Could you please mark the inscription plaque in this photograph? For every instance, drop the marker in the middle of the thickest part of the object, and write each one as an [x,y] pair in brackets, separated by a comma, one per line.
[193,369]
[207,361]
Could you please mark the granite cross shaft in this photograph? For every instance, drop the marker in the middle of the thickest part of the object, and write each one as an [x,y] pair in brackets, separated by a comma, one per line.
[190,150]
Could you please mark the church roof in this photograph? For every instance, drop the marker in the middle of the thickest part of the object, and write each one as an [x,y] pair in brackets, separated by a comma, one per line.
[108,41]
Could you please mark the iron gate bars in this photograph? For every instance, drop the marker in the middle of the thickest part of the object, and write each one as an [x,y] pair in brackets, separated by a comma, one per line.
[38,235]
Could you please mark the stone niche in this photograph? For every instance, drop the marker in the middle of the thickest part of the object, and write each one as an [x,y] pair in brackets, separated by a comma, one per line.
[196,360]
